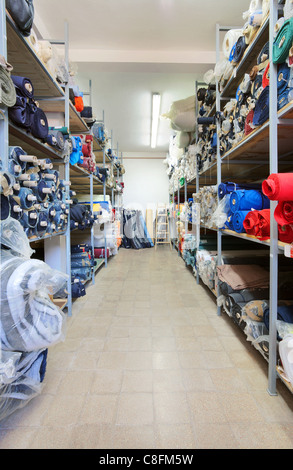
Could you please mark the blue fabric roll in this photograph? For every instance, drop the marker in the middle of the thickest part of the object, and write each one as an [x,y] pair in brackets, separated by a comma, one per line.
[247,200]
[229,187]
[237,221]
[20,116]
[27,221]
[5,207]
[15,153]
[229,221]
[283,77]
[23,198]
[21,84]
[14,214]
[262,108]
[283,98]
[76,155]
[39,124]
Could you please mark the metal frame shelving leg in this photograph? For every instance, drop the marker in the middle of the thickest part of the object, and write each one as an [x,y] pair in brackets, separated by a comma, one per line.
[4,140]
[274,228]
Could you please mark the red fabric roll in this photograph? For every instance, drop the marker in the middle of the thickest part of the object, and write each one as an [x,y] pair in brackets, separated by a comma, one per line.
[86,150]
[78,102]
[266,76]
[250,223]
[257,223]
[100,252]
[264,224]
[248,123]
[285,233]
[284,213]
[279,187]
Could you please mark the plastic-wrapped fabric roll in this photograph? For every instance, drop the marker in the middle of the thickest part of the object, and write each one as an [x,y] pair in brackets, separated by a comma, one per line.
[288,9]
[231,37]
[248,200]
[39,124]
[237,221]
[283,42]
[285,233]
[29,219]
[262,108]
[284,213]
[279,187]
[240,48]
[8,95]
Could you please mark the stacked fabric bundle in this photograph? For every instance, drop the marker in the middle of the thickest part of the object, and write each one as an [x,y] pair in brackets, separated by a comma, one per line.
[34,194]
[76,155]
[76,97]
[26,112]
[135,233]
[189,247]
[206,265]
[29,323]
[99,133]
[82,262]
[278,187]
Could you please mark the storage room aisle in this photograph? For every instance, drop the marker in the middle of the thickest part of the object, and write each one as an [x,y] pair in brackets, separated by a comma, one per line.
[148,364]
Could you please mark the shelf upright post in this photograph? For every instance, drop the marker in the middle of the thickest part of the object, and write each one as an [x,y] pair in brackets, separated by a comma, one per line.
[219,161]
[104,193]
[273,204]
[4,141]
[92,211]
[197,178]
[178,219]
[67,175]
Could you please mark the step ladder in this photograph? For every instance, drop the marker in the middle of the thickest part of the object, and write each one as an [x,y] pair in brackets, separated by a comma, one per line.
[162,226]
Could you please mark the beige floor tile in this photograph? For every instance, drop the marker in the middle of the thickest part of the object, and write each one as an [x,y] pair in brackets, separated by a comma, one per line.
[135,409]
[137,381]
[99,409]
[133,437]
[106,381]
[176,436]
[171,408]
[215,436]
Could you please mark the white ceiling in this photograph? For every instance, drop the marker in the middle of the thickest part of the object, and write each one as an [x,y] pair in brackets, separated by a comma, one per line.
[131,48]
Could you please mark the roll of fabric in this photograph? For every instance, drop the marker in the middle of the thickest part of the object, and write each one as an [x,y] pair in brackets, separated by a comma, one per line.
[77,289]
[249,127]
[266,76]
[284,314]
[237,221]
[283,77]
[15,209]
[288,9]
[279,187]
[256,87]
[39,124]
[285,97]
[23,86]
[285,233]
[8,93]
[20,116]
[5,207]
[100,252]
[25,198]
[262,108]
[87,112]
[15,154]
[231,37]
[56,139]
[246,200]
[264,53]
[283,42]
[284,213]
[254,309]
[240,48]
[78,103]
[257,223]
[29,219]
[22,12]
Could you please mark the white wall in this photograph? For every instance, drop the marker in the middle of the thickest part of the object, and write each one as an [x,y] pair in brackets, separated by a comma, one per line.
[146,182]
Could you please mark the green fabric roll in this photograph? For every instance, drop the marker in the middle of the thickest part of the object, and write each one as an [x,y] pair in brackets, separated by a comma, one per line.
[7,88]
[283,42]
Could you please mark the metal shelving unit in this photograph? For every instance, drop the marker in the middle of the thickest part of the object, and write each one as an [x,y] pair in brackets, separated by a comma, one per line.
[264,151]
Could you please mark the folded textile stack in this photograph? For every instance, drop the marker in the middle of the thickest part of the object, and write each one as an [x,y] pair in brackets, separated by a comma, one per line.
[88,159]
[26,112]
[30,322]
[82,263]
[278,187]
[8,93]
[34,194]
[206,264]
[189,247]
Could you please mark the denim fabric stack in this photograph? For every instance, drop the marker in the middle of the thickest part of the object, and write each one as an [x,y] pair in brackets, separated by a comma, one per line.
[82,262]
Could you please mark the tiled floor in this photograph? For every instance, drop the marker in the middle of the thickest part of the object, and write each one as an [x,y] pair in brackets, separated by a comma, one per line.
[147,364]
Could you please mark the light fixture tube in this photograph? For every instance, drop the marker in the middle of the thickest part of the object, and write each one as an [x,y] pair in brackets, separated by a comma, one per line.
[155,118]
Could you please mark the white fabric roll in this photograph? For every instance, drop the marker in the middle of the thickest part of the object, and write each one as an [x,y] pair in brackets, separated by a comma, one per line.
[33,41]
[231,37]
[45,51]
[288,9]
[254,5]
[265,8]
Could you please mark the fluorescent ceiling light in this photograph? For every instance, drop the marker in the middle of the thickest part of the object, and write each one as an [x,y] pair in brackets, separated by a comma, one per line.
[155,118]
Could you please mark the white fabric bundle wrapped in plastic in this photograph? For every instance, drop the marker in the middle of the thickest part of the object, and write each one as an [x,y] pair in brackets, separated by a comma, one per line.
[288,9]
[206,263]
[182,115]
